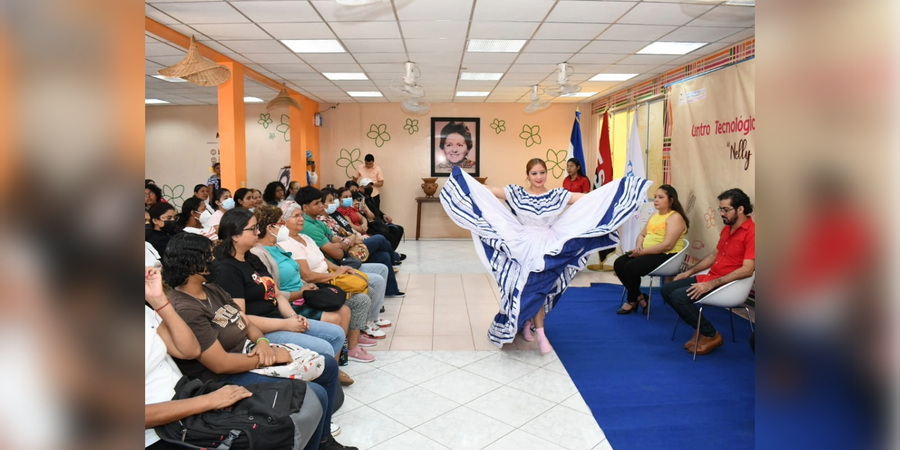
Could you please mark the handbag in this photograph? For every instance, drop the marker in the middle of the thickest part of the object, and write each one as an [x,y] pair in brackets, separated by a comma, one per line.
[349,261]
[357,283]
[326,298]
[307,365]
[359,251]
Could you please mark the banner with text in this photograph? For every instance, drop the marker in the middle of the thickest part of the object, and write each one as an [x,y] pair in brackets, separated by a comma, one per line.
[713,119]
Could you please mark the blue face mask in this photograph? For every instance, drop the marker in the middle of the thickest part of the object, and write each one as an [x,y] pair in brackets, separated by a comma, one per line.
[347,202]
[228,204]
[331,208]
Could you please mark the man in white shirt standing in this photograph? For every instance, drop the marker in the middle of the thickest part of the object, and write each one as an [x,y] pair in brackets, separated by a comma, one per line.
[372,172]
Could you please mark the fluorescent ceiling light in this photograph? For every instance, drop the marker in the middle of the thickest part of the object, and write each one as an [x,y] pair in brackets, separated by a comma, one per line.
[342,76]
[580,94]
[671,48]
[740,2]
[314,45]
[154,101]
[364,94]
[613,76]
[253,100]
[495,45]
[169,79]
[476,76]
[472,93]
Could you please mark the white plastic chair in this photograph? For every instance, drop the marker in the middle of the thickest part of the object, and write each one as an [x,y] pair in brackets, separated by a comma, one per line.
[728,296]
[671,267]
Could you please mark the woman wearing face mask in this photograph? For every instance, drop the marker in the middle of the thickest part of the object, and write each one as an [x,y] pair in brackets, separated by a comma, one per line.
[536,248]
[162,217]
[347,209]
[373,237]
[351,317]
[221,202]
[202,192]
[244,199]
[189,220]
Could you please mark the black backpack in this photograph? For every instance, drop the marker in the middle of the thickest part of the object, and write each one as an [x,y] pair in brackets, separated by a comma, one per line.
[262,421]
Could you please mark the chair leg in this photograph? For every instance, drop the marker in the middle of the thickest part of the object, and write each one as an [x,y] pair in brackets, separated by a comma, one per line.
[677,319]
[748,319]
[650,298]
[731,316]
[697,342]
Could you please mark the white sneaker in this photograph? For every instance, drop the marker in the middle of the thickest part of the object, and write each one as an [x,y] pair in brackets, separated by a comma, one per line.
[382,323]
[335,429]
[372,330]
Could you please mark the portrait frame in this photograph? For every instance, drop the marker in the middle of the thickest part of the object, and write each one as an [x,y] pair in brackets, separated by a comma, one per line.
[441,166]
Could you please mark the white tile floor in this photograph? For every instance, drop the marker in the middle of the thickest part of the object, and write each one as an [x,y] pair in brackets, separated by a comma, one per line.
[437,383]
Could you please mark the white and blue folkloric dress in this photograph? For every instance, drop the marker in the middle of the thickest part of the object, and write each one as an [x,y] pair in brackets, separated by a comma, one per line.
[531,245]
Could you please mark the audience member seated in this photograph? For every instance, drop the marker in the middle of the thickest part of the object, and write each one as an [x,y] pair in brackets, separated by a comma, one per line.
[393,232]
[310,201]
[341,225]
[257,197]
[286,272]
[189,219]
[222,328]
[221,202]
[274,194]
[293,187]
[152,196]
[734,258]
[244,199]
[202,192]
[162,217]
[660,240]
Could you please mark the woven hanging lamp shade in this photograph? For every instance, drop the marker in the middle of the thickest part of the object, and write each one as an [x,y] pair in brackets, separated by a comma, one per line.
[282,99]
[197,69]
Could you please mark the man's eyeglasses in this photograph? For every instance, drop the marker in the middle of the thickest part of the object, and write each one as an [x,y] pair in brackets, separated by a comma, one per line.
[725,210]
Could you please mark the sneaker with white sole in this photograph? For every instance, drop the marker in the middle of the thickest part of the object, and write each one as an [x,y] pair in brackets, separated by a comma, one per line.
[335,429]
[383,323]
[373,332]
[359,354]
[397,295]
[365,341]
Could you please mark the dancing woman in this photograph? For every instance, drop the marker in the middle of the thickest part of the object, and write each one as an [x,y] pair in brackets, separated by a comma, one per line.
[530,245]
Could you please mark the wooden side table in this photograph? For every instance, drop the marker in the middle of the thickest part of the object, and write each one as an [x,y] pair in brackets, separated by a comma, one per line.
[419,201]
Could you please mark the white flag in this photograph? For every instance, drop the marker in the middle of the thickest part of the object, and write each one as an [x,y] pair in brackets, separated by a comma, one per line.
[634,167]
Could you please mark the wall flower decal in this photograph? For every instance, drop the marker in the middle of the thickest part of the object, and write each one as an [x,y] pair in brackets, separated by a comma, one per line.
[379,134]
[556,162]
[348,160]
[531,134]
[498,125]
[412,126]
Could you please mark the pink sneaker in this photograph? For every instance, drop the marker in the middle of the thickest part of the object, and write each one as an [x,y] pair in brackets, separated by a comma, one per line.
[358,354]
[365,341]
[526,332]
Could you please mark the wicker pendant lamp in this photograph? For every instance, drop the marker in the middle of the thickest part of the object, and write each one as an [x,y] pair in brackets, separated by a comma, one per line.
[282,99]
[197,69]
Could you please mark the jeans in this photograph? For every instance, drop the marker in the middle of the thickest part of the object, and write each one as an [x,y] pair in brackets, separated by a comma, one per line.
[379,243]
[377,274]
[631,269]
[384,259]
[675,294]
[325,388]
[317,338]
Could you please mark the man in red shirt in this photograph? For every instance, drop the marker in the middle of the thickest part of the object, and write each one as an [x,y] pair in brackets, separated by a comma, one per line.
[734,258]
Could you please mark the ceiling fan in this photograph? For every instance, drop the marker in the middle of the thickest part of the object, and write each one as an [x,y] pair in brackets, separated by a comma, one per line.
[563,87]
[407,85]
[536,103]
[415,106]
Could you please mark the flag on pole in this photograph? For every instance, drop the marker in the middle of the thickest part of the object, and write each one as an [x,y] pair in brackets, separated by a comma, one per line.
[634,167]
[575,148]
[603,173]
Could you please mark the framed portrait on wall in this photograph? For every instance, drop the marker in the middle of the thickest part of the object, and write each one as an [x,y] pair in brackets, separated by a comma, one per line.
[456,141]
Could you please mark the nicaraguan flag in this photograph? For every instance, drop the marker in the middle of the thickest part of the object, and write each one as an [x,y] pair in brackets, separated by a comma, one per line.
[575,148]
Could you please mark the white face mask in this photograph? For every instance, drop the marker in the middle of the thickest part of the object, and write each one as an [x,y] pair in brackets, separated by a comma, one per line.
[204,218]
[283,233]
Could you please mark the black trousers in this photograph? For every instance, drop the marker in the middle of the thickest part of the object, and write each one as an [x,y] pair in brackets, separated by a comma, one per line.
[630,270]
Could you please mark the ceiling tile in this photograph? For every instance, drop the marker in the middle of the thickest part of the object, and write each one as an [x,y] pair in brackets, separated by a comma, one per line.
[428,58]
[486,68]
[162,49]
[727,16]
[327,67]
[664,14]
[327,58]
[278,11]
[616,47]
[488,58]
[331,11]
[434,29]
[620,32]
[588,12]
[515,79]
[374,45]
[434,45]
[648,59]
[570,30]
[700,52]
[215,45]
[741,36]
[356,85]
[237,57]
[383,76]
[298,30]
[699,34]
[433,9]
[502,30]
[232,32]
[553,46]
[633,68]
[532,68]
[465,85]
[384,68]
[511,10]
[366,30]
[314,83]
[595,58]
[257,46]
[159,16]
[539,58]
[379,57]
[273,58]
[207,12]
[293,68]
[310,76]
[189,31]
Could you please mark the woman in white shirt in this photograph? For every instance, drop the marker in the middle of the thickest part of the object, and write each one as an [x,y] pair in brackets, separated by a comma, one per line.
[189,220]
[221,202]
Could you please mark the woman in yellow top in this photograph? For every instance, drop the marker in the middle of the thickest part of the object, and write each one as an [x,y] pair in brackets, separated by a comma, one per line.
[660,240]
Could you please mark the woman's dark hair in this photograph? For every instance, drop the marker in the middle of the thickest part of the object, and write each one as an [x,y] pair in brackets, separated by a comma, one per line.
[458,128]
[266,215]
[156,191]
[358,196]
[341,191]
[233,223]
[577,166]
[738,198]
[675,203]
[239,196]
[148,182]
[187,254]
[189,206]
[156,211]
[198,187]
[332,191]
[269,193]
[217,197]
[307,195]
[351,183]
[214,165]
